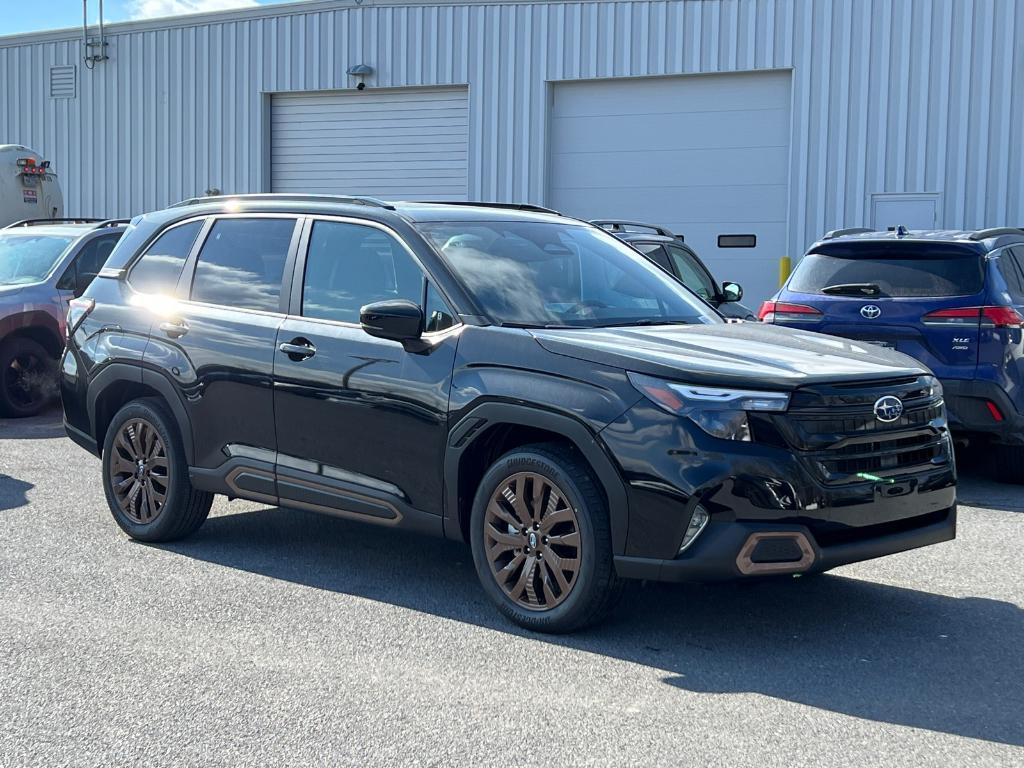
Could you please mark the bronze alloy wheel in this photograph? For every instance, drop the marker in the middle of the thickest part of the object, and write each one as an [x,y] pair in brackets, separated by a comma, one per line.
[532,541]
[139,471]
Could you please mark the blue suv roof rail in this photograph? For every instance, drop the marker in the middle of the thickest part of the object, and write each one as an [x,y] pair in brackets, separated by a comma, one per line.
[985,234]
[617,225]
[301,198]
[849,231]
[43,222]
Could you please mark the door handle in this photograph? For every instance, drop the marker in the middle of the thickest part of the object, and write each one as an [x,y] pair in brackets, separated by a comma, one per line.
[298,349]
[175,329]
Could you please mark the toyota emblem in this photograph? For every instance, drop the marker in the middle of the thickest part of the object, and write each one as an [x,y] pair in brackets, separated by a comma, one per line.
[888,408]
[870,311]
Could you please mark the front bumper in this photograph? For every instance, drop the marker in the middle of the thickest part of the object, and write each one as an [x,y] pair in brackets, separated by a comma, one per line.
[716,554]
[752,489]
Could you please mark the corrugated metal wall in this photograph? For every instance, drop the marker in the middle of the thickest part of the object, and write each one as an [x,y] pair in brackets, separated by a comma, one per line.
[888,95]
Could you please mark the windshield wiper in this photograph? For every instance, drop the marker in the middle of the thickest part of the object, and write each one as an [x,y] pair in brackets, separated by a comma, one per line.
[549,326]
[644,322]
[853,289]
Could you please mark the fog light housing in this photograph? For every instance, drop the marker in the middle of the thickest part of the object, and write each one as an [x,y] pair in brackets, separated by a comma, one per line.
[698,521]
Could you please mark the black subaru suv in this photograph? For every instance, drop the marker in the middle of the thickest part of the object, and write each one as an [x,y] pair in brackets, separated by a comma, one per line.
[496,374]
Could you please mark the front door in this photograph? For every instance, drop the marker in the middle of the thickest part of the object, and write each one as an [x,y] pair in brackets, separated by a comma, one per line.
[361,422]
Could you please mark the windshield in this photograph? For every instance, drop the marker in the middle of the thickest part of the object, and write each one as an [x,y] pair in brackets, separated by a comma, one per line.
[539,274]
[902,271]
[29,258]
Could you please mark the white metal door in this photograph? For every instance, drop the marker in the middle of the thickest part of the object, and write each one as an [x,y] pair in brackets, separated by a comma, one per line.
[914,211]
[705,155]
[399,144]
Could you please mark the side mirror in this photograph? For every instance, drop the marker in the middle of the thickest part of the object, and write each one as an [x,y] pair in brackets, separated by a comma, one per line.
[732,291]
[394,319]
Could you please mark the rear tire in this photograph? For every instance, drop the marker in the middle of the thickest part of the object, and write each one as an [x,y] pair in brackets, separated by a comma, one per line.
[544,500]
[145,475]
[1009,464]
[27,379]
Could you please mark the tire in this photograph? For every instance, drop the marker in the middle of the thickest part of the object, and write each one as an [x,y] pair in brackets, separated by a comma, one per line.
[1009,464]
[543,603]
[28,381]
[142,429]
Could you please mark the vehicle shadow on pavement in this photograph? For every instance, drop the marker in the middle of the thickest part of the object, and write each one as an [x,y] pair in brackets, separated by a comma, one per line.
[859,648]
[48,424]
[13,492]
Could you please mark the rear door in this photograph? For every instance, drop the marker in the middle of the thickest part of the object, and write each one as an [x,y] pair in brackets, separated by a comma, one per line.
[882,292]
[218,340]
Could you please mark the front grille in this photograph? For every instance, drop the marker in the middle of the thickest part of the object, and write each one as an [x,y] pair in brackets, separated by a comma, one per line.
[833,429]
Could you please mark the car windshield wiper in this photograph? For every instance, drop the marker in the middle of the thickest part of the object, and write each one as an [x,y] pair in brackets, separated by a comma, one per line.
[853,289]
[645,322]
[550,326]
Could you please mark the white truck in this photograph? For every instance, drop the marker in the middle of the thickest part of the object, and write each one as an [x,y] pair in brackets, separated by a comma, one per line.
[28,187]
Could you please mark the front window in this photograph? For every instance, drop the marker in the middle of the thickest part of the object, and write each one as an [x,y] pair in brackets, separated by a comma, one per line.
[29,258]
[539,274]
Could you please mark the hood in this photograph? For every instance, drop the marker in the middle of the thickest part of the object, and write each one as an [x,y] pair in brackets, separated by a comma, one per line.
[726,354]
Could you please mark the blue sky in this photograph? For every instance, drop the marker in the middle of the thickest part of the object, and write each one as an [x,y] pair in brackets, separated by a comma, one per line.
[26,16]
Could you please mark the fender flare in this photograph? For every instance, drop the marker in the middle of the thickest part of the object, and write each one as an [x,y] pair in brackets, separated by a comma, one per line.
[115,373]
[34,319]
[465,433]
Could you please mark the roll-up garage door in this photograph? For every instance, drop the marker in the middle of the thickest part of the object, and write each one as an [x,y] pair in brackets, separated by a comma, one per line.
[705,155]
[400,144]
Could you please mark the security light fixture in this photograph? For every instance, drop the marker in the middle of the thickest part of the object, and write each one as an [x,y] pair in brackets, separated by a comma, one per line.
[362,71]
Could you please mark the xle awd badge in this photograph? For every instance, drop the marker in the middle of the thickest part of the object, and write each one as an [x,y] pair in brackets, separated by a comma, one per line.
[888,408]
[870,311]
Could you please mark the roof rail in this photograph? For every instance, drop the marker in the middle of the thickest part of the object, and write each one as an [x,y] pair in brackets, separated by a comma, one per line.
[985,234]
[41,222]
[617,225]
[370,201]
[478,204]
[849,231]
[112,223]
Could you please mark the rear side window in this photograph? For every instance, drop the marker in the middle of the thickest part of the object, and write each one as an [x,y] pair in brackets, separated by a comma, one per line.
[1010,269]
[160,266]
[890,270]
[351,265]
[655,253]
[242,263]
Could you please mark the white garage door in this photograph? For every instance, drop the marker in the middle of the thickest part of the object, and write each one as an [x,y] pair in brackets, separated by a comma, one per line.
[394,144]
[704,155]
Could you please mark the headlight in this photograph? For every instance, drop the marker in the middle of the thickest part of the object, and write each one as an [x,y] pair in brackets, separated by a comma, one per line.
[719,412]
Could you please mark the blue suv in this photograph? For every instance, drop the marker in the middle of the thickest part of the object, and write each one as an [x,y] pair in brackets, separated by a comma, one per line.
[953,300]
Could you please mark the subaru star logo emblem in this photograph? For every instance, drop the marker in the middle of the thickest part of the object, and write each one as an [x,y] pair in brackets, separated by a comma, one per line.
[888,408]
[870,311]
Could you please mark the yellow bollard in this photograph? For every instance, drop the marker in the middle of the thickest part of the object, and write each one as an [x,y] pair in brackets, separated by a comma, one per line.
[785,267]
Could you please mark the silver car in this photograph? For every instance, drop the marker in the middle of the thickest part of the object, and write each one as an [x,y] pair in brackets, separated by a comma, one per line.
[43,265]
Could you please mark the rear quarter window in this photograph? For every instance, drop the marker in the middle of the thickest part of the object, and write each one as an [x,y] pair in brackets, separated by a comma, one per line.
[901,270]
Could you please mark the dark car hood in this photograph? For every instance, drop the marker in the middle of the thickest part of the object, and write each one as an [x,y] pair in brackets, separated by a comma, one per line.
[741,354]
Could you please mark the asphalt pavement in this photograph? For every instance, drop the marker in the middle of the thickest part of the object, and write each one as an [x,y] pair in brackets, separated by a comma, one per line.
[277,637]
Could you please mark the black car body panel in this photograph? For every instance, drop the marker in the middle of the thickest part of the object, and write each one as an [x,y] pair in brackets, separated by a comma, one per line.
[318,414]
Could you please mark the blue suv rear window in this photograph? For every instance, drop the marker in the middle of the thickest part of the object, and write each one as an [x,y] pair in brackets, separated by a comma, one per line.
[898,270]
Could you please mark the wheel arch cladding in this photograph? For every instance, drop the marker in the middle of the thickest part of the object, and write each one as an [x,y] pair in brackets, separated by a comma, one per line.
[118,384]
[38,326]
[492,429]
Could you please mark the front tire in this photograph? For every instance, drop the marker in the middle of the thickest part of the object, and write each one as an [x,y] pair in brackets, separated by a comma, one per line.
[145,476]
[541,540]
